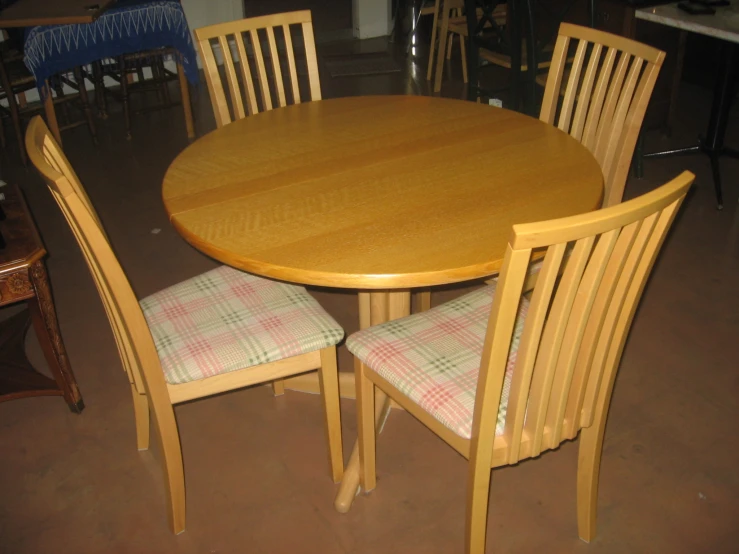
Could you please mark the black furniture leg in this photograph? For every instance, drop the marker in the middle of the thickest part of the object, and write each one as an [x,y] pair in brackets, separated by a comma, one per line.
[716,170]
[713,144]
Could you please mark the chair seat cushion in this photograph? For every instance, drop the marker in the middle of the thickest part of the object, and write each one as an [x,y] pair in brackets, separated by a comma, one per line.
[434,357]
[224,320]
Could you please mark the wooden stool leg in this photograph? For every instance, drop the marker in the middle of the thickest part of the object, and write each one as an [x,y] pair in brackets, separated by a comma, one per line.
[17,128]
[97,73]
[85,103]
[124,95]
[46,326]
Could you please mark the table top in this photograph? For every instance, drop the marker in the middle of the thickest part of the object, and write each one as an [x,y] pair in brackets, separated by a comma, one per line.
[27,13]
[724,24]
[376,192]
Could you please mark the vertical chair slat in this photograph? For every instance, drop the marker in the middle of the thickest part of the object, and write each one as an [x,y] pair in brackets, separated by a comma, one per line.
[583,306]
[276,66]
[578,122]
[609,107]
[614,265]
[609,327]
[616,178]
[259,64]
[251,99]
[291,64]
[527,351]
[312,61]
[501,322]
[663,222]
[571,284]
[596,102]
[609,142]
[545,363]
[233,82]
[550,101]
[261,70]
[215,86]
[571,92]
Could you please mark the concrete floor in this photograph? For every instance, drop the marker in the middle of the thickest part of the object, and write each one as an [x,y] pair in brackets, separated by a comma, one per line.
[257,478]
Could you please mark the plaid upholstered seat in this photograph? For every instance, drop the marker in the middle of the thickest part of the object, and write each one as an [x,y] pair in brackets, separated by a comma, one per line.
[224,320]
[434,357]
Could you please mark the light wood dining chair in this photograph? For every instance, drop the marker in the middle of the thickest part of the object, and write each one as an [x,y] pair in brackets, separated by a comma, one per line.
[599,98]
[501,378]
[219,331]
[448,23]
[256,76]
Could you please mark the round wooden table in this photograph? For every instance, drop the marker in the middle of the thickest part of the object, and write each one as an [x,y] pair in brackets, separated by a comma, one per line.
[380,194]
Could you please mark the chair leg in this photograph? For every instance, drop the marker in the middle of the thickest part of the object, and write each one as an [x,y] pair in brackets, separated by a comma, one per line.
[163,76]
[97,72]
[464,58]
[443,37]
[478,495]
[432,44]
[588,471]
[365,427]
[328,378]
[124,95]
[449,44]
[86,103]
[17,128]
[141,413]
[174,475]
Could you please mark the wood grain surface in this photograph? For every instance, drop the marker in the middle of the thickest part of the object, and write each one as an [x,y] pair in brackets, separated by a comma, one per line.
[375,192]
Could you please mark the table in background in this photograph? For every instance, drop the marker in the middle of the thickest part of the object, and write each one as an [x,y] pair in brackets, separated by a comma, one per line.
[23,277]
[26,13]
[126,27]
[381,194]
[724,25]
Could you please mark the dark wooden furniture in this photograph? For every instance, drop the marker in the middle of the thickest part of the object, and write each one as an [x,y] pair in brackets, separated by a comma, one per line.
[16,79]
[124,67]
[27,13]
[23,277]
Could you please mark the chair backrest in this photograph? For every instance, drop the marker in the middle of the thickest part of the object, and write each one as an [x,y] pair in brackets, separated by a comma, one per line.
[259,64]
[130,329]
[577,324]
[608,88]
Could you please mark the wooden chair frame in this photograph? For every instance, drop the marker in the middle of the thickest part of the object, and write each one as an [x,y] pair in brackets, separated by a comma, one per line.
[445,28]
[270,76]
[602,103]
[152,395]
[569,352]
[599,96]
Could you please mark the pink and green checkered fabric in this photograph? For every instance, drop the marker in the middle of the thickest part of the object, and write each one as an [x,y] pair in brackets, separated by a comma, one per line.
[434,357]
[224,320]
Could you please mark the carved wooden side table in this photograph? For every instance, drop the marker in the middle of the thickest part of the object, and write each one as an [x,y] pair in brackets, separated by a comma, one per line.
[23,277]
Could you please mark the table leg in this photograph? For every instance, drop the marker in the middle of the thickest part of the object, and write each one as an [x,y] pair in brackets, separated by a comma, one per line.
[186,105]
[43,316]
[51,113]
[374,308]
